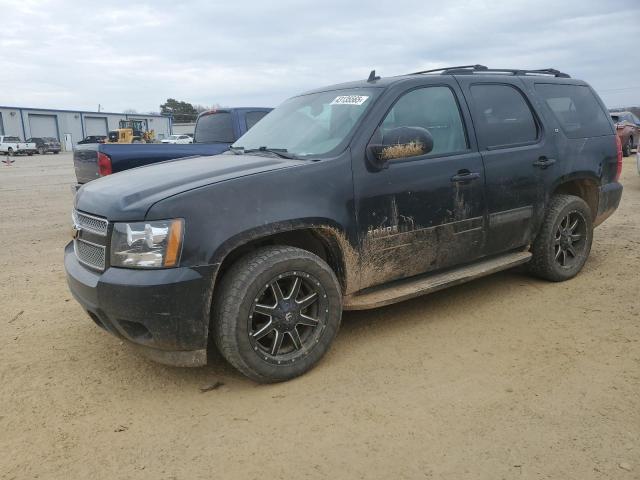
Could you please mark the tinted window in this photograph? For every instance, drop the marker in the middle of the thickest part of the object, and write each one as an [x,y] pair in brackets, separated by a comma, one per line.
[433,108]
[215,127]
[253,118]
[577,110]
[502,116]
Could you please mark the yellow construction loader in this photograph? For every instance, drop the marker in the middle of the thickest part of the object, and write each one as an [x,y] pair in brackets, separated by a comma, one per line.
[131,131]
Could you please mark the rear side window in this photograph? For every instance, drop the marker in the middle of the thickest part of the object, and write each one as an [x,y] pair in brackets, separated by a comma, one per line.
[432,108]
[215,128]
[502,116]
[253,118]
[576,109]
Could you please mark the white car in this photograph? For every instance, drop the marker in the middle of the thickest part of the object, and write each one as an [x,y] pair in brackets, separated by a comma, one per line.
[177,139]
[10,145]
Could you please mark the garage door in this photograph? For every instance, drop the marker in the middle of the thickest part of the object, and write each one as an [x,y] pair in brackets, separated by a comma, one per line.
[43,126]
[95,126]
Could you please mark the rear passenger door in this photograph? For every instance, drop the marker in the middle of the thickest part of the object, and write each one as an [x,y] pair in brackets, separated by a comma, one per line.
[517,156]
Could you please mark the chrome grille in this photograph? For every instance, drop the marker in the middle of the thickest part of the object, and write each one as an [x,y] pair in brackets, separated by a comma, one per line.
[89,241]
[93,224]
[90,254]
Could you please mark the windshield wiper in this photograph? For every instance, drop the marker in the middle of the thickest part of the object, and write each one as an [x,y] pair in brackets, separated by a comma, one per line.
[237,150]
[280,152]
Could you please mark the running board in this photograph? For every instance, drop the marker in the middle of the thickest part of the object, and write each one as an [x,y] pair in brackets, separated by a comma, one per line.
[405,289]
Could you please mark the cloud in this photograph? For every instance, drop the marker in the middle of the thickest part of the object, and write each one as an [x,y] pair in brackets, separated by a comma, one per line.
[76,54]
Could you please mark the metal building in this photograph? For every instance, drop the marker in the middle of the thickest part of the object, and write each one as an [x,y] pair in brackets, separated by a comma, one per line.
[183,128]
[71,126]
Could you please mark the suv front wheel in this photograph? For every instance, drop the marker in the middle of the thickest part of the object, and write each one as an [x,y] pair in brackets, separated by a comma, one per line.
[563,244]
[276,312]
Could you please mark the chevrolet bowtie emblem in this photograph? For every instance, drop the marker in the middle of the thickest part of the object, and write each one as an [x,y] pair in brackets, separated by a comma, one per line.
[75,231]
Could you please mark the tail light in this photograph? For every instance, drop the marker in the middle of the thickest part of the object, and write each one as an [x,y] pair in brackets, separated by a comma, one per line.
[619,163]
[104,164]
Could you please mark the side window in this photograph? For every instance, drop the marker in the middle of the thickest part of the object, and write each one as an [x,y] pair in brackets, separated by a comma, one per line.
[253,118]
[577,110]
[432,108]
[502,116]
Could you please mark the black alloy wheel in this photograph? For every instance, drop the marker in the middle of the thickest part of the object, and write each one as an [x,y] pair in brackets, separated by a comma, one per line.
[275,312]
[563,243]
[287,318]
[570,239]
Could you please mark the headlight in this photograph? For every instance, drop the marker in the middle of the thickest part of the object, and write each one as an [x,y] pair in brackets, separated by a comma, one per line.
[154,244]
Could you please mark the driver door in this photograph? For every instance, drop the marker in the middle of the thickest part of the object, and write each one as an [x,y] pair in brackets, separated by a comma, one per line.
[422,213]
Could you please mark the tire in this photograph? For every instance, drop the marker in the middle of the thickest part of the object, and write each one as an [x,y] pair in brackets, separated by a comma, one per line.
[564,241]
[626,148]
[56,152]
[30,154]
[41,151]
[10,152]
[247,337]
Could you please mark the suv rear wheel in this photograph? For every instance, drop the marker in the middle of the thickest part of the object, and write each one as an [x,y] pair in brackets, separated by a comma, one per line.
[276,312]
[564,241]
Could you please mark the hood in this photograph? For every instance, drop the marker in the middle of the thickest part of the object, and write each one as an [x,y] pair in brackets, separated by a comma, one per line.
[128,195]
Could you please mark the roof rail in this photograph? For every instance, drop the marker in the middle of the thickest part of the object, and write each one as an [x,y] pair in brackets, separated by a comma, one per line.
[473,67]
[470,69]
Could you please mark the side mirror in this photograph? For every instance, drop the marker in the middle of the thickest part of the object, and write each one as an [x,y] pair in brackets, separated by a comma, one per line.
[401,142]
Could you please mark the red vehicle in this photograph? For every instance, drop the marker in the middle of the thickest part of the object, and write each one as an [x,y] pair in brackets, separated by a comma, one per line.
[628,130]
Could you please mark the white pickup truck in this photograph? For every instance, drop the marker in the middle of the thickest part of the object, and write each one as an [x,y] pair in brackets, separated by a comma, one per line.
[11,145]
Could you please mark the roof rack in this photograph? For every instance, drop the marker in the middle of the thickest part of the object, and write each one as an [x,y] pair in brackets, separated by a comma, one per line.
[470,69]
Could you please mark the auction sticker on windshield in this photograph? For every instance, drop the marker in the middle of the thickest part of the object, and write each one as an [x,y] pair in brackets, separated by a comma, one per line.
[349,100]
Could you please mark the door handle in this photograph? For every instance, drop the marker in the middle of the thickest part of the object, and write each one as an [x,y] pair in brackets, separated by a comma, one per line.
[465,176]
[544,162]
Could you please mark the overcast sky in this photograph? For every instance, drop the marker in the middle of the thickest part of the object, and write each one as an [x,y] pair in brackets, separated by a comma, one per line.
[136,54]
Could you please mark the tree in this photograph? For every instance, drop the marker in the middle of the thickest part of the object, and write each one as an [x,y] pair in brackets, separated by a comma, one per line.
[182,112]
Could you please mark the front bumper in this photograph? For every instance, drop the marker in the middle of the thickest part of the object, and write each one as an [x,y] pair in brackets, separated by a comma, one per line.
[165,312]
[608,201]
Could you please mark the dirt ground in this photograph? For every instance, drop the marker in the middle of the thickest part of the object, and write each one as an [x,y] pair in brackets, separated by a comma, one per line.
[507,377]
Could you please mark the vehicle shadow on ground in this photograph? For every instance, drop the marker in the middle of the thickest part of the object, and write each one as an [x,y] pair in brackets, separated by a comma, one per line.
[378,323]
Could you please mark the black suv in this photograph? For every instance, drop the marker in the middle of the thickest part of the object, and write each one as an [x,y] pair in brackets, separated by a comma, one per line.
[348,197]
[46,144]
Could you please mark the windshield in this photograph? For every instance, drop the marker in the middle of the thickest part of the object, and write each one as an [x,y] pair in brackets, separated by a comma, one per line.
[174,137]
[314,124]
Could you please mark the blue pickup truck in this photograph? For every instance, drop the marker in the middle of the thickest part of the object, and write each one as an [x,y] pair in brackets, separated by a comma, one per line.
[215,131]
